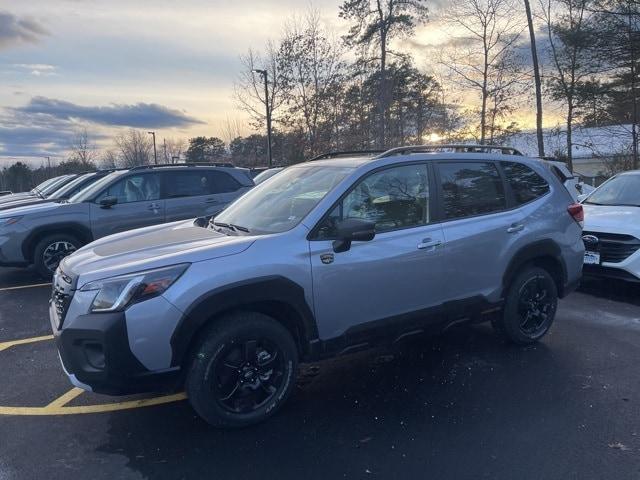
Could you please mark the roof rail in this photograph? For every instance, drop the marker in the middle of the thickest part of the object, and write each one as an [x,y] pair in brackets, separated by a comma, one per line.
[452,147]
[345,153]
[187,164]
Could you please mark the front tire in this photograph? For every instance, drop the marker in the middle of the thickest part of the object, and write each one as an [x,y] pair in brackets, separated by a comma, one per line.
[530,307]
[242,371]
[50,250]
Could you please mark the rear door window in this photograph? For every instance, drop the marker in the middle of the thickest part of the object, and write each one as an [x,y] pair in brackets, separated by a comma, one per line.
[222,182]
[188,184]
[470,188]
[525,184]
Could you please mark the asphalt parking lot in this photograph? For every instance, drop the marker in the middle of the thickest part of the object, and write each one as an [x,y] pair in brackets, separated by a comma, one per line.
[459,406]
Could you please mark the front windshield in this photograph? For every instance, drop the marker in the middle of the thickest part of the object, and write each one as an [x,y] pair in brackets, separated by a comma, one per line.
[281,202]
[41,186]
[90,192]
[71,187]
[621,190]
[262,176]
[49,189]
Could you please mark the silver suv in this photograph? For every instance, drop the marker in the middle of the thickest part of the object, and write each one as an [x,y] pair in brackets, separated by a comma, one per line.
[44,233]
[325,258]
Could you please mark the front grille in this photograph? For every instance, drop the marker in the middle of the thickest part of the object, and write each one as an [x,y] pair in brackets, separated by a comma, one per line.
[61,303]
[61,295]
[613,247]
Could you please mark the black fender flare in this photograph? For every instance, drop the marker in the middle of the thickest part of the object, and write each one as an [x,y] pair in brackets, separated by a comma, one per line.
[250,294]
[530,253]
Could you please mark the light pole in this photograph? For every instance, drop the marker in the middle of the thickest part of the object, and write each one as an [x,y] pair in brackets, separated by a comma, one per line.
[265,75]
[155,154]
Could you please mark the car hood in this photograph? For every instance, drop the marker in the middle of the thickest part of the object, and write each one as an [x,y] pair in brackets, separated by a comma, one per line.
[20,202]
[16,196]
[150,247]
[612,219]
[38,208]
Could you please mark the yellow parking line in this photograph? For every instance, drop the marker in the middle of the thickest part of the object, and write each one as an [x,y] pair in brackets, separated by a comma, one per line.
[5,345]
[57,407]
[6,289]
[77,410]
[64,399]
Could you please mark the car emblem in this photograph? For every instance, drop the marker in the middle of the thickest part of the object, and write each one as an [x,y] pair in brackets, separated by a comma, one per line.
[326,258]
[591,239]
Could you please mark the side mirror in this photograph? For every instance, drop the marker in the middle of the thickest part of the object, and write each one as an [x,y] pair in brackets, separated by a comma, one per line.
[353,230]
[108,202]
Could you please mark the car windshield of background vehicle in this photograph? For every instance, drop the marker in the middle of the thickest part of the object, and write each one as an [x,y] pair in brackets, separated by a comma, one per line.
[280,203]
[91,191]
[621,191]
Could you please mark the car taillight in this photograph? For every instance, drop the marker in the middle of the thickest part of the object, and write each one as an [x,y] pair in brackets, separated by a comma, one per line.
[576,211]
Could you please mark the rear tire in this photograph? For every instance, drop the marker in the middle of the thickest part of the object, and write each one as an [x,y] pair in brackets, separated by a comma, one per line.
[530,307]
[50,250]
[242,371]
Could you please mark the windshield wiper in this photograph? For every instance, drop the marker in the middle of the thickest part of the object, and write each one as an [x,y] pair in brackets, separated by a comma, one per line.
[224,225]
[238,227]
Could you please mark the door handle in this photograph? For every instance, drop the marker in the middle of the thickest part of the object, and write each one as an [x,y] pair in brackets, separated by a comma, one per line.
[153,206]
[428,243]
[211,200]
[515,228]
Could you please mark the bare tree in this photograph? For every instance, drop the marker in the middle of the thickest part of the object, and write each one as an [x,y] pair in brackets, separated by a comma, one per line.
[570,32]
[82,150]
[173,149]
[536,76]
[484,59]
[311,67]
[375,24]
[249,87]
[109,159]
[135,148]
[231,129]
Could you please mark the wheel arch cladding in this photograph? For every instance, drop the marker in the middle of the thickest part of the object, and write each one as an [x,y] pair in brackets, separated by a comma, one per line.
[544,254]
[274,296]
[79,231]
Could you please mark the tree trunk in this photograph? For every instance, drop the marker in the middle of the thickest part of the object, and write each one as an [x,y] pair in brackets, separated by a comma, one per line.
[536,74]
[569,135]
[382,94]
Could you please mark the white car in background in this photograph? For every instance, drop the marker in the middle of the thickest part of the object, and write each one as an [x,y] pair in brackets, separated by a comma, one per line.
[612,228]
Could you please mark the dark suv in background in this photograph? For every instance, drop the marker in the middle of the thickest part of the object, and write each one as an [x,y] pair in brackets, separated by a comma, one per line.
[43,234]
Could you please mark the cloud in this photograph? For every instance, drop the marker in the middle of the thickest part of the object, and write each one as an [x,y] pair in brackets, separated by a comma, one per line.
[139,115]
[37,69]
[15,30]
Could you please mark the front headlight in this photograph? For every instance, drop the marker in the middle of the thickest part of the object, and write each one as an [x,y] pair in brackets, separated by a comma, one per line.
[5,222]
[116,293]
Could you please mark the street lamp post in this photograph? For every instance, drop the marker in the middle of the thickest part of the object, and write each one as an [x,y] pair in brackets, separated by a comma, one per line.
[265,75]
[155,154]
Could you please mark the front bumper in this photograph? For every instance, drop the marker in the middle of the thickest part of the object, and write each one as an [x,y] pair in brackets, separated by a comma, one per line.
[95,354]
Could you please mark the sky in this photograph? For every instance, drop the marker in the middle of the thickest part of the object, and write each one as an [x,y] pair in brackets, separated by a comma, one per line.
[165,65]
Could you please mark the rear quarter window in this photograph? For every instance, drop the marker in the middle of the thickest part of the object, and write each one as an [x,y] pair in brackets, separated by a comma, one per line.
[525,184]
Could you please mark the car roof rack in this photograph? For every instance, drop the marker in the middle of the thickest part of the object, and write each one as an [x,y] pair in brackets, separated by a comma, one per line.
[345,153]
[452,148]
[187,164]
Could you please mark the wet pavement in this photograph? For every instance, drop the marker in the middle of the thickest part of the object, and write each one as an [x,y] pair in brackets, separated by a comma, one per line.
[460,406]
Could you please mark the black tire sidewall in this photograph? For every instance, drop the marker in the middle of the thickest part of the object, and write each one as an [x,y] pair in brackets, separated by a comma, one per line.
[41,246]
[229,329]
[510,324]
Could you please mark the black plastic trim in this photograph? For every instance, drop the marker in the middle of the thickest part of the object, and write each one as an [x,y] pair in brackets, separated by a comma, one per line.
[245,295]
[122,373]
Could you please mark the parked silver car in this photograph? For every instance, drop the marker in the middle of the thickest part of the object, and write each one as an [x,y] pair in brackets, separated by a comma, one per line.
[326,257]
[43,234]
